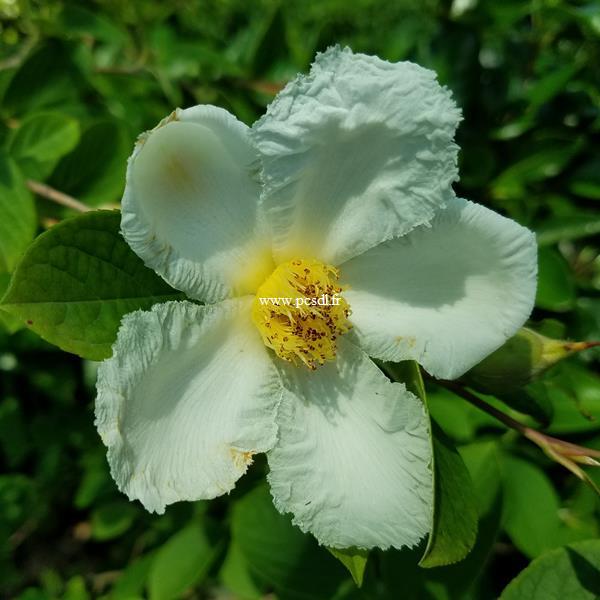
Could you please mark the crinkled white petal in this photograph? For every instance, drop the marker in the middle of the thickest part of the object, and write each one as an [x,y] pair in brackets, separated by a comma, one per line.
[446,295]
[358,151]
[190,208]
[353,459]
[188,397]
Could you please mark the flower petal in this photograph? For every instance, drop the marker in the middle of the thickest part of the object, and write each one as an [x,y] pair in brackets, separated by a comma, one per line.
[177,424]
[358,151]
[190,208]
[353,458]
[445,296]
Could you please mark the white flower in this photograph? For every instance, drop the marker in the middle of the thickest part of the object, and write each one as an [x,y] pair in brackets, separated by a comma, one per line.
[356,161]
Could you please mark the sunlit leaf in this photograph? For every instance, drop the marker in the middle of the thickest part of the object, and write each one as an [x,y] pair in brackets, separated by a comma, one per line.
[279,554]
[183,561]
[17,215]
[569,572]
[455,509]
[41,140]
[76,282]
[132,580]
[534,518]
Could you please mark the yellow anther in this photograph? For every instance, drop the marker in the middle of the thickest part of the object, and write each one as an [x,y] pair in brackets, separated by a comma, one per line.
[299,312]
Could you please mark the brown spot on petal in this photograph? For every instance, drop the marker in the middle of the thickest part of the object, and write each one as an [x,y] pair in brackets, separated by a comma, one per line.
[410,341]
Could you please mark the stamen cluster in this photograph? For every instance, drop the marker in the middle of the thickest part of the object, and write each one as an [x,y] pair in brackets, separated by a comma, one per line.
[292,319]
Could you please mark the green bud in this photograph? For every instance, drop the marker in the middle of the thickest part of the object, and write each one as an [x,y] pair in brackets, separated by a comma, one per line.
[520,361]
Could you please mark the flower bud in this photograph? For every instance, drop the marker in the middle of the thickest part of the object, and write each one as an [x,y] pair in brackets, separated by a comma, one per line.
[520,361]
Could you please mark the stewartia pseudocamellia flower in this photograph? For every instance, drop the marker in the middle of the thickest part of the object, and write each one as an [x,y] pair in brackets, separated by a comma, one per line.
[343,188]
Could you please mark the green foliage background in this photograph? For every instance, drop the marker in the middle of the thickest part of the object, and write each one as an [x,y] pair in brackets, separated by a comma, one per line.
[79,81]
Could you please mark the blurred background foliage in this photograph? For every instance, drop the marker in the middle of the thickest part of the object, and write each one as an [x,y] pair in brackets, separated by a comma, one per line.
[79,81]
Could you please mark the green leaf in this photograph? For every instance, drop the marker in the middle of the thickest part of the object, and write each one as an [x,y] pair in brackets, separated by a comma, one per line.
[568,227]
[550,85]
[483,463]
[77,20]
[95,171]
[182,562]
[455,508]
[111,520]
[575,395]
[41,140]
[455,512]
[556,290]
[17,215]
[532,400]
[565,573]
[586,179]
[94,479]
[133,579]
[8,322]
[535,167]
[481,459]
[34,594]
[534,518]
[75,589]
[236,577]
[47,77]
[76,282]
[398,569]
[459,420]
[280,555]
[354,559]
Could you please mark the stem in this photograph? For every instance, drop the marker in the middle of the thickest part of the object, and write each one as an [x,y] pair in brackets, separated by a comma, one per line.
[45,191]
[537,437]
[484,406]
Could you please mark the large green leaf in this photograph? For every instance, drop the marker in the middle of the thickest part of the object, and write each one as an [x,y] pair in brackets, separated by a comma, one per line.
[17,215]
[41,140]
[455,512]
[280,555]
[8,322]
[481,459]
[534,518]
[77,281]
[183,561]
[455,508]
[572,572]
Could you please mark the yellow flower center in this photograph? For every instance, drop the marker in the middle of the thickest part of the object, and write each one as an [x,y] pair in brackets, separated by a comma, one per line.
[299,312]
